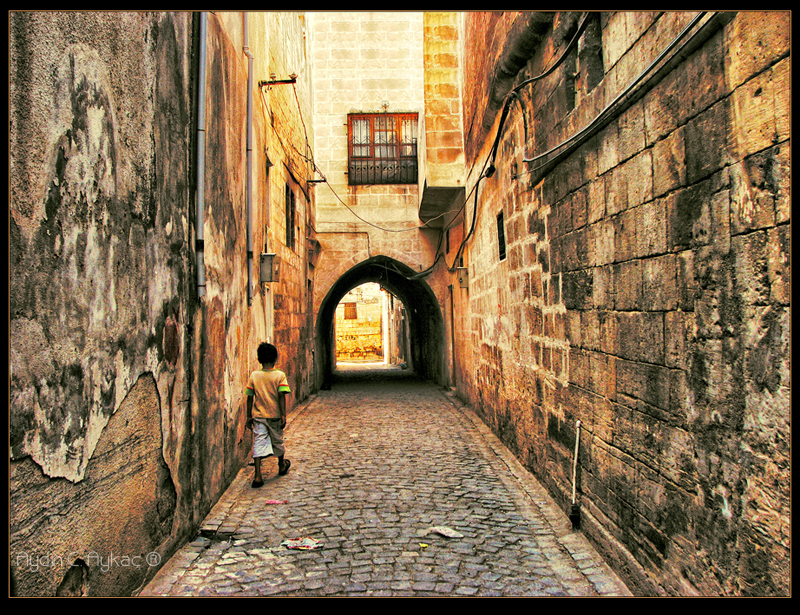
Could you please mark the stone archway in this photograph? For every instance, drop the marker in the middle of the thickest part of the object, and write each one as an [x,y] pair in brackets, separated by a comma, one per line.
[426,326]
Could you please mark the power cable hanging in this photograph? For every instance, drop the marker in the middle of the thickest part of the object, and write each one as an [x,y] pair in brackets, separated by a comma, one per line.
[381,228]
[603,116]
[489,167]
[514,93]
[512,96]
[487,171]
[593,125]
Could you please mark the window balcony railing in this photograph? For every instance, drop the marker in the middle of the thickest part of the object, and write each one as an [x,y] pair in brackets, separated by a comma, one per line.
[382,148]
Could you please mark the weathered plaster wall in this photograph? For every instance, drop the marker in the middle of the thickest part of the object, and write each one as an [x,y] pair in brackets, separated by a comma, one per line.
[99,253]
[644,288]
[126,397]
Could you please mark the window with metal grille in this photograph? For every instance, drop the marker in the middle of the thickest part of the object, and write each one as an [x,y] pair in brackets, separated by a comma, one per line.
[382,148]
[291,213]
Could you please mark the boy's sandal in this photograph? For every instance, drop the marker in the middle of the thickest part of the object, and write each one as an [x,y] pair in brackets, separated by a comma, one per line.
[285,469]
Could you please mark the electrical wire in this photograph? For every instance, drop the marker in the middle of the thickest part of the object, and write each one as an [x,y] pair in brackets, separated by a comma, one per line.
[573,41]
[489,164]
[513,95]
[365,221]
[487,170]
[601,117]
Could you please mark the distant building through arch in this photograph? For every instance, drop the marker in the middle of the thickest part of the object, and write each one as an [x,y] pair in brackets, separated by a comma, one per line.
[424,317]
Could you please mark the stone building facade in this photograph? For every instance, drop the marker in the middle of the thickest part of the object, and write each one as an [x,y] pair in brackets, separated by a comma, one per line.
[629,280]
[359,324]
[369,80]
[135,304]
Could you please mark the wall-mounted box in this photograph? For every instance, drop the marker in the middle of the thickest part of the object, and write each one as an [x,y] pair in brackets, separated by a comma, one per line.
[463,277]
[270,268]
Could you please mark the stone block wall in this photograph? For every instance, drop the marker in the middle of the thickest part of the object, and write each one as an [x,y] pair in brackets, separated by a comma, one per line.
[643,290]
[444,135]
[363,60]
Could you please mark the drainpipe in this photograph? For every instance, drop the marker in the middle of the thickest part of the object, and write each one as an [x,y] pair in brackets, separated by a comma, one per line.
[201,157]
[249,163]
[575,511]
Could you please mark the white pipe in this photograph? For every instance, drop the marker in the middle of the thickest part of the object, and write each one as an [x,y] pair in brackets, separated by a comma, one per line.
[201,158]
[575,460]
[249,163]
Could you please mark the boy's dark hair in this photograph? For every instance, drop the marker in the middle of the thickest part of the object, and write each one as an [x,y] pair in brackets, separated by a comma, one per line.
[267,353]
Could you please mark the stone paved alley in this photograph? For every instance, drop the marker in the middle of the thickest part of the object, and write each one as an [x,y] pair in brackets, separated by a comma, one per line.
[378,461]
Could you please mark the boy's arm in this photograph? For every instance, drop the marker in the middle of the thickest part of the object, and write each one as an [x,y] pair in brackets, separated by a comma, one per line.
[250,393]
[282,407]
[249,423]
[283,391]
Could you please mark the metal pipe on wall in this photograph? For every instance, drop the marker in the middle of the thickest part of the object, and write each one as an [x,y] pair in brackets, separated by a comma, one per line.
[201,157]
[575,510]
[249,161]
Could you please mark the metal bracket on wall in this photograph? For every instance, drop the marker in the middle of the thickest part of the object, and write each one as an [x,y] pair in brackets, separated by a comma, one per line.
[274,81]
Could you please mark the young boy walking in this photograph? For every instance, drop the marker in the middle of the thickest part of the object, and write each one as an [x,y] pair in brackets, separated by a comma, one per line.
[266,411]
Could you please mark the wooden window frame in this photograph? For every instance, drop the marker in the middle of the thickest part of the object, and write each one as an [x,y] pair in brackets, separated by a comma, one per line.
[382,148]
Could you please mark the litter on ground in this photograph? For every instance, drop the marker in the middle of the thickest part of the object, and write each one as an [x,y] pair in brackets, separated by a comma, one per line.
[444,531]
[301,543]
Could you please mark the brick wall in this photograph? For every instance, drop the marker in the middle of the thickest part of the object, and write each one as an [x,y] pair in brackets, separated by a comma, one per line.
[644,292]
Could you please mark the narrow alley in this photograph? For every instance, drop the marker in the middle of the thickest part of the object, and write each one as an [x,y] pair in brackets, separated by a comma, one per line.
[566,235]
[403,492]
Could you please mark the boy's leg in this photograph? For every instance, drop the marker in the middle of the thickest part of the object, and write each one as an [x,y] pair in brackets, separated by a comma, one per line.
[262,448]
[257,478]
[278,446]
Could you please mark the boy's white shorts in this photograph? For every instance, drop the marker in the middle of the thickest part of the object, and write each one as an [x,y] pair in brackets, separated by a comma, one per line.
[262,443]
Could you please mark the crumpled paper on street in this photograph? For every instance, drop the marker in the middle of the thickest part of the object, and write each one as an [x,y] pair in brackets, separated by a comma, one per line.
[304,544]
[444,531]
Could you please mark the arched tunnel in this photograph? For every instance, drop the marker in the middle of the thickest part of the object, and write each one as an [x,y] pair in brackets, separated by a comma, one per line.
[425,324]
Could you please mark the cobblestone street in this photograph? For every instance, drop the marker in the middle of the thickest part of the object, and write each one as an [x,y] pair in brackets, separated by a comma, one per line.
[404,493]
